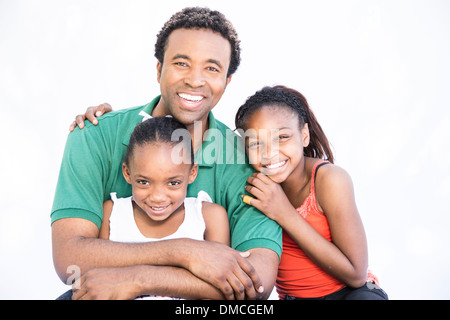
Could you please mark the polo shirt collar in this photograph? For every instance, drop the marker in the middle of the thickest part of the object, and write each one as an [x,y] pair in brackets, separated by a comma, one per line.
[146,112]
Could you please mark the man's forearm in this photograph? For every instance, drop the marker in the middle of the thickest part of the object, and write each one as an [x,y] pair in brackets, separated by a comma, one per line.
[265,262]
[174,282]
[88,252]
[209,264]
[179,282]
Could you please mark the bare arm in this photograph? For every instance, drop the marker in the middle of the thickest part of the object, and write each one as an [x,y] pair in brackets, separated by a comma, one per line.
[177,282]
[346,256]
[104,228]
[335,195]
[216,222]
[76,242]
[130,282]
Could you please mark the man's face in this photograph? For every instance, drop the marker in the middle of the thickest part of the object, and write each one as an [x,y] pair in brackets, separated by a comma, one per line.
[193,76]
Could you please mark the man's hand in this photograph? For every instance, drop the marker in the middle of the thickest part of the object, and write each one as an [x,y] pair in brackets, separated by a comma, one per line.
[107,284]
[91,114]
[226,269]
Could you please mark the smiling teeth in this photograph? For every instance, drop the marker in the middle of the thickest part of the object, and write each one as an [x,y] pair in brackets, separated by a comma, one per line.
[190,98]
[276,165]
[158,208]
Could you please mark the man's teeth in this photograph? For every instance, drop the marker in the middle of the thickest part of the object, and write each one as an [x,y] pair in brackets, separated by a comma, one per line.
[276,165]
[190,98]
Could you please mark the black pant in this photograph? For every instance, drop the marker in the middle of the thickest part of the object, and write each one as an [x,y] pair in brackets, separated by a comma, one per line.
[66,295]
[369,291]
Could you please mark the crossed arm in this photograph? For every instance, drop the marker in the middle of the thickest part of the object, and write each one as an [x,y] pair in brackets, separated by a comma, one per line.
[182,267]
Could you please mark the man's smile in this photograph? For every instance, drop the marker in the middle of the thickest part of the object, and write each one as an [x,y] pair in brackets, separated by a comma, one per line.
[190,97]
[190,101]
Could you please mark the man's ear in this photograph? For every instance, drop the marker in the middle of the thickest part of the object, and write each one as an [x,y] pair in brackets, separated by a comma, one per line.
[126,172]
[193,174]
[158,71]
[229,79]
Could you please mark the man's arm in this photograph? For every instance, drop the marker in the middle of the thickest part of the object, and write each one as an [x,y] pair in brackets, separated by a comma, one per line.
[130,282]
[265,261]
[75,242]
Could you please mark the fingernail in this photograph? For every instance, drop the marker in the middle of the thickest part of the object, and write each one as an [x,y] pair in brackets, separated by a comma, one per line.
[95,121]
[98,114]
[245,254]
[261,289]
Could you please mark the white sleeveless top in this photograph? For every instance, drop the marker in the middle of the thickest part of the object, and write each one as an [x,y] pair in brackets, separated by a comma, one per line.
[123,227]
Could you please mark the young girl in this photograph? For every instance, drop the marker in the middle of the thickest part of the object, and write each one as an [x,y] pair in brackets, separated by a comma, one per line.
[324,244]
[158,208]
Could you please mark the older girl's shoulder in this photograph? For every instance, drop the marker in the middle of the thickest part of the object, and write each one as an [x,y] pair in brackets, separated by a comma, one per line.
[333,183]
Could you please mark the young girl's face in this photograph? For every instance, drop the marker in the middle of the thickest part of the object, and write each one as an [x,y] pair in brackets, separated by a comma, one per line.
[275,141]
[159,185]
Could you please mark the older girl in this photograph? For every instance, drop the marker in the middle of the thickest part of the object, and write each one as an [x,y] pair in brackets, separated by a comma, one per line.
[298,186]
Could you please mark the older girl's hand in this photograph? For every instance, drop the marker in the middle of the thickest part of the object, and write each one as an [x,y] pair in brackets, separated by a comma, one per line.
[91,114]
[269,197]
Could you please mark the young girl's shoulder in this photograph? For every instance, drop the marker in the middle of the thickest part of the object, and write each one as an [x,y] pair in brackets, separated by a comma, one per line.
[211,208]
[216,222]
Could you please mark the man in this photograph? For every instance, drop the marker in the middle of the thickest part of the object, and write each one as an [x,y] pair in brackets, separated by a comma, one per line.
[197,52]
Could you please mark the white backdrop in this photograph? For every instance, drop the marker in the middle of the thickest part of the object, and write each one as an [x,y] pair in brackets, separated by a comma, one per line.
[376,73]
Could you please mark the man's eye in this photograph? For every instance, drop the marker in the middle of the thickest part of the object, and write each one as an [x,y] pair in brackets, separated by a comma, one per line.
[213,69]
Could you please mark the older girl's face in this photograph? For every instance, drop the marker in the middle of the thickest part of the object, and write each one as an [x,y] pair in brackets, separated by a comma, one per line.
[275,142]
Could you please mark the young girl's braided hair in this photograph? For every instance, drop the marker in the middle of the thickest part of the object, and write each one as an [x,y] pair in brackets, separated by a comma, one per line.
[158,130]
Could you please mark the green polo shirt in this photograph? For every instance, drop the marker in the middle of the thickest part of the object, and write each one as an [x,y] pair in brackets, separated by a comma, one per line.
[92,168]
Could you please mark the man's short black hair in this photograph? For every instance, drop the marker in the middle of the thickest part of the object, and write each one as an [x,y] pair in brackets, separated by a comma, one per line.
[200,18]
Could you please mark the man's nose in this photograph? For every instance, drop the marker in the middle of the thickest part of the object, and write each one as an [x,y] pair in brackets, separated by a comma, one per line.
[195,77]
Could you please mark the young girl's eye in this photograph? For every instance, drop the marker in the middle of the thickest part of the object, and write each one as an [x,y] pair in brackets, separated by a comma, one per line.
[143,182]
[174,183]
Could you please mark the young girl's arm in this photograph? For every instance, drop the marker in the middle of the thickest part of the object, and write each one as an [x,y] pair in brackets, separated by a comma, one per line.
[346,256]
[104,228]
[216,222]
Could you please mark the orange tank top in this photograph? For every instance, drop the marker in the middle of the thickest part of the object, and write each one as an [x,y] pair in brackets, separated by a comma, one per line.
[298,275]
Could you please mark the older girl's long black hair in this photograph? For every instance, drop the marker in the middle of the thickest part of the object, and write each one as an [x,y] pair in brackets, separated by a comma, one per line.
[283,96]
